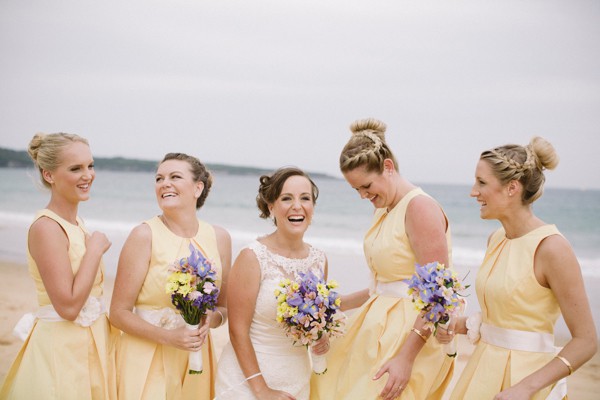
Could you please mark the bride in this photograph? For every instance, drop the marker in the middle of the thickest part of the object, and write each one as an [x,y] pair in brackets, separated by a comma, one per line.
[260,361]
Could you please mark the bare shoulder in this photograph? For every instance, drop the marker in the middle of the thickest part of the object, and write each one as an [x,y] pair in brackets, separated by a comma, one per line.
[45,225]
[221,233]
[556,254]
[141,232]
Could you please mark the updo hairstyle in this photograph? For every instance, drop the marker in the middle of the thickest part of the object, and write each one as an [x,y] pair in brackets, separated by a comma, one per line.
[524,164]
[45,150]
[271,186]
[199,172]
[366,147]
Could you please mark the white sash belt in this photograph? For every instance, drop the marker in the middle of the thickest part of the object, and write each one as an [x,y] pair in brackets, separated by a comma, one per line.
[389,289]
[93,308]
[166,317]
[513,339]
[539,342]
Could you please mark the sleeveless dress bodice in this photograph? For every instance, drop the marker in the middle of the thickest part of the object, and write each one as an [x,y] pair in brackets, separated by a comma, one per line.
[284,366]
[511,298]
[146,369]
[378,329]
[60,359]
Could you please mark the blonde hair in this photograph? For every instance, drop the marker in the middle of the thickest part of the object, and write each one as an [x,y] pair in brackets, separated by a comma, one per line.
[366,147]
[45,150]
[524,164]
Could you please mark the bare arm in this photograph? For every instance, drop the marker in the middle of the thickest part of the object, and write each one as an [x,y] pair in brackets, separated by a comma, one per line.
[224,246]
[354,299]
[556,267]
[49,246]
[244,285]
[426,229]
[134,262]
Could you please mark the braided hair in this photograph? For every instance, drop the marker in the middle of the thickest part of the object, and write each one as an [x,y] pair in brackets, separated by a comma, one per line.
[524,164]
[366,147]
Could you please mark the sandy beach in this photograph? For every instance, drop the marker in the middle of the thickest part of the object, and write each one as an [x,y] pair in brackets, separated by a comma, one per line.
[18,297]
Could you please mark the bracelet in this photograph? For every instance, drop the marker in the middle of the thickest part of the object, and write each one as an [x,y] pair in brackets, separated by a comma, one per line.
[566,362]
[418,332]
[222,317]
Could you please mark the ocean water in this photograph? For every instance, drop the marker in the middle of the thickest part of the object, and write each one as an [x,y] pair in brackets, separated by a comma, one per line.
[121,200]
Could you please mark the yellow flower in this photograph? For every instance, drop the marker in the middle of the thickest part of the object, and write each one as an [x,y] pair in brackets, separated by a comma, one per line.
[184,289]
[332,284]
[338,301]
[185,279]
[174,277]
[284,282]
[277,292]
[295,286]
[171,287]
[293,311]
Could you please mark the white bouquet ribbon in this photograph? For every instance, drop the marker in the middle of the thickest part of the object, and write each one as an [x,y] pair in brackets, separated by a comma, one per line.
[195,358]
[319,363]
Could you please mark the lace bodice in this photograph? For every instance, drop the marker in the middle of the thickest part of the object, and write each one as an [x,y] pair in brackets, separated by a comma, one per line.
[279,360]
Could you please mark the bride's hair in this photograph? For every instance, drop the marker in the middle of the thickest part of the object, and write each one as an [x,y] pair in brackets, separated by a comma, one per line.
[46,149]
[271,186]
[366,147]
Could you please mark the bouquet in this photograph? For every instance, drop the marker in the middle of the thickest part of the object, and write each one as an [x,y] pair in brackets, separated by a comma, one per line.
[436,291]
[306,309]
[193,291]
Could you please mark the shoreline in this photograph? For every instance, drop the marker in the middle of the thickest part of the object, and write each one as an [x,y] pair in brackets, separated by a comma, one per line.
[18,297]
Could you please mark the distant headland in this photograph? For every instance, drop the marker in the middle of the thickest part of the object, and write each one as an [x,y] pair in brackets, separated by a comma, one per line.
[20,159]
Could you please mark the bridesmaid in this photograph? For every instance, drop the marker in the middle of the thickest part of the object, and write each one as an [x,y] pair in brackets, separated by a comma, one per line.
[386,351]
[153,351]
[528,276]
[67,352]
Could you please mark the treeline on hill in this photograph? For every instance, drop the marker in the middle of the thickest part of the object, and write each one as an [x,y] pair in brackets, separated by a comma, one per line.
[20,159]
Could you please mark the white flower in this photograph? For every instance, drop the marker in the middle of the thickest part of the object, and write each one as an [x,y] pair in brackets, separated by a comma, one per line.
[91,310]
[473,326]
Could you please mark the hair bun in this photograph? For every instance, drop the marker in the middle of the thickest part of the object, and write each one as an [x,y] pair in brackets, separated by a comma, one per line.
[368,124]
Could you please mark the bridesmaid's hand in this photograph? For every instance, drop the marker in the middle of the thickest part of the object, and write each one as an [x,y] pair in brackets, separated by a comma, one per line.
[185,339]
[399,371]
[321,346]
[445,335]
[204,328]
[517,392]
[97,241]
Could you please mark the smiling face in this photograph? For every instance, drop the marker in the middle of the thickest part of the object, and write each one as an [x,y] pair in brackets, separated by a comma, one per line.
[489,192]
[73,178]
[293,210]
[373,186]
[175,186]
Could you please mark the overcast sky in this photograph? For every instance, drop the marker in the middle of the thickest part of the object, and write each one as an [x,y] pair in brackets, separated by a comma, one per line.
[272,83]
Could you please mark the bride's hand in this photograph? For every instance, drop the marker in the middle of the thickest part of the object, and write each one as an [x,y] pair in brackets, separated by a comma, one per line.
[272,394]
[321,346]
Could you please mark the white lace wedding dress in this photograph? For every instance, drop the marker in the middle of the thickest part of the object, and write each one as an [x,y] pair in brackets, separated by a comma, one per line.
[284,366]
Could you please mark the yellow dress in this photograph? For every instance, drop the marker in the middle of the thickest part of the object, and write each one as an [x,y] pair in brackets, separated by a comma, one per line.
[59,359]
[379,328]
[146,369]
[511,298]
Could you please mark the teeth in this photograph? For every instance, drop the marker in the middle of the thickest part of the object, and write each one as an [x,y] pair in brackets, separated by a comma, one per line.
[168,195]
[296,219]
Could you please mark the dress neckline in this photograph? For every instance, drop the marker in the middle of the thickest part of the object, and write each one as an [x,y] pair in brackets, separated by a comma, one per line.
[277,255]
